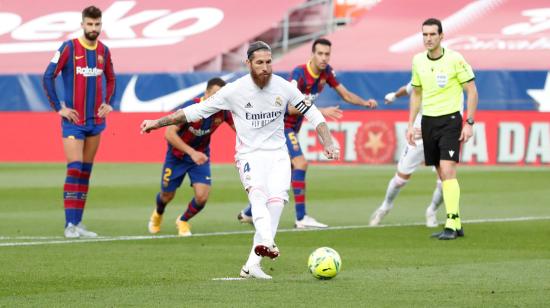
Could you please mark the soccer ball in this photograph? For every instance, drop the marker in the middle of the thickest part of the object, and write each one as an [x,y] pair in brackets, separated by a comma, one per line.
[324,263]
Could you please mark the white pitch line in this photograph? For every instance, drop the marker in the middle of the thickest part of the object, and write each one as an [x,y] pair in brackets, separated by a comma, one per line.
[59,240]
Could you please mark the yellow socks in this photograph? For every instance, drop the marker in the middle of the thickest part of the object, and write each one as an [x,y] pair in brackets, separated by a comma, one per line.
[451,196]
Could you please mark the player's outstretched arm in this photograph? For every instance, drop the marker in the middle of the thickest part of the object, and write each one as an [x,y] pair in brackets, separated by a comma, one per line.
[333,112]
[392,96]
[330,149]
[353,98]
[175,118]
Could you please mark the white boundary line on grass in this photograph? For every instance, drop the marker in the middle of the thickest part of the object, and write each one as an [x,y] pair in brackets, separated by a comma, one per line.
[61,240]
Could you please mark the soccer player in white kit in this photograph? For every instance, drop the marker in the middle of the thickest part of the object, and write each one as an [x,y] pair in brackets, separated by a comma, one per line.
[257,102]
[412,157]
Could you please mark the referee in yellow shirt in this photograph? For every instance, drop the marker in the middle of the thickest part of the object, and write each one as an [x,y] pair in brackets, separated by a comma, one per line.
[439,77]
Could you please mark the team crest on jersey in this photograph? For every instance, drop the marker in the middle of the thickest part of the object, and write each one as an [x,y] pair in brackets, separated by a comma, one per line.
[278,101]
[100,59]
[217,121]
[322,82]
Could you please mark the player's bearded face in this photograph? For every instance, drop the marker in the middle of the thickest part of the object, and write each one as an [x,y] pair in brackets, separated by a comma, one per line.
[92,28]
[260,67]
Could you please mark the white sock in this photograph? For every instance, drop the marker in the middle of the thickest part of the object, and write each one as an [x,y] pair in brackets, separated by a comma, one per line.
[262,223]
[275,207]
[254,259]
[437,198]
[394,186]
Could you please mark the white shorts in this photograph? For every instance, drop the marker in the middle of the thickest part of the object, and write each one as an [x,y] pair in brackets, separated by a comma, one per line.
[268,171]
[411,158]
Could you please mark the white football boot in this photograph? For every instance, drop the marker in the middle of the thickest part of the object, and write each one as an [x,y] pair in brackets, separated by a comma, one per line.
[431,219]
[244,219]
[308,222]
[83,231]
[71,232]
[377,216]
[254,271]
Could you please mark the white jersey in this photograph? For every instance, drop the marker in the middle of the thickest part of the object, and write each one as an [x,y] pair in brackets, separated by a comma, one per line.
[257,113]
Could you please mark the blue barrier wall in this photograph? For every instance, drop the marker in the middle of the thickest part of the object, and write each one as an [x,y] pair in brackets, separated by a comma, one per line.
[498,90]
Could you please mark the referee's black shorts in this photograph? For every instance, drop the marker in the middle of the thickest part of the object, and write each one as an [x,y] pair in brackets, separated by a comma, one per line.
[440,136]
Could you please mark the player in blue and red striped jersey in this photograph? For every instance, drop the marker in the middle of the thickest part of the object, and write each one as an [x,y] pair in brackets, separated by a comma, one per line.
[189,153]
[310,78]
[84,63]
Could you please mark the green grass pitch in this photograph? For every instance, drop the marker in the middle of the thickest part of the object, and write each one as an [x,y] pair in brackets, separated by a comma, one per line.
[504,259]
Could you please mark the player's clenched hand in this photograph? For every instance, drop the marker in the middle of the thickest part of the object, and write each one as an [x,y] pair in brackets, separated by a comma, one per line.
[104,110]
[333,112]
[199,157]
[69,114]
[371,103]
[467,133]
[331,151]
[148,125]
[410,136]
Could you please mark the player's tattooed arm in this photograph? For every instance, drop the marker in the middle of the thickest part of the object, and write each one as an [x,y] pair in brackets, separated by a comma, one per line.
[331,150]
[175,118]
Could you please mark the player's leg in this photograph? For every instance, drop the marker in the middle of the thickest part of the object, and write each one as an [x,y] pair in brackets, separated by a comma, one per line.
[298,182]
[200,180]
[89,150]
[431,210]
[253,169]
[449,156]
[73,148]
[173,173]
[410,160]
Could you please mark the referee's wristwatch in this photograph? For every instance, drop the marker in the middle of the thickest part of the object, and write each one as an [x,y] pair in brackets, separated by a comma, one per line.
[470,121]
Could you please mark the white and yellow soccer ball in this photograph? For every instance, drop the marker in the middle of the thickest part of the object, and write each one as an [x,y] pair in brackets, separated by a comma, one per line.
[324,263]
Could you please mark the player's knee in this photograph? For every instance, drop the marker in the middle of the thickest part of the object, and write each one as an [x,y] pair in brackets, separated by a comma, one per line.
[167,196]
[299,163]
[201,197]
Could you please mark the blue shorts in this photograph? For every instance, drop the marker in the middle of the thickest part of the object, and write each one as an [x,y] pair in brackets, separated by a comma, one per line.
[74,131]
[292,143]
[175,169]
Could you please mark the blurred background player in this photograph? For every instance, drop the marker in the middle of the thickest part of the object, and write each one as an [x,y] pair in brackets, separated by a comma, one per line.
[189,153]
[310,78]
[411,158]
[82,63]
[439,78]
[257,102]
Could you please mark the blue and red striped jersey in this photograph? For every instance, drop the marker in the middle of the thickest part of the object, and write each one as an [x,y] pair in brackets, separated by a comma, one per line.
[82,68]
[197,134]
[309,84]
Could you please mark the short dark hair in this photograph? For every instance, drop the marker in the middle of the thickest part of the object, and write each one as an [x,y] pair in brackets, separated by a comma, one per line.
[91,12]
[257,45]
[433,22]
[216,81]
[320,41]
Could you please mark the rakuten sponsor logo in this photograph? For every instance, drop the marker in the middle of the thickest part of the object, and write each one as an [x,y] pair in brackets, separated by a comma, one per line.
[157,27]
[88,71]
